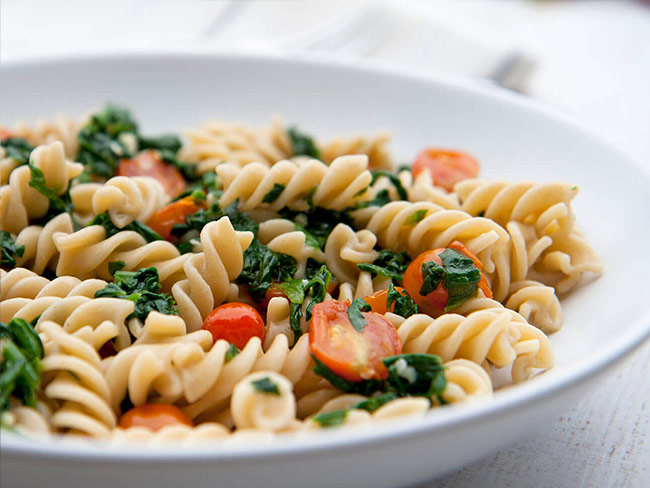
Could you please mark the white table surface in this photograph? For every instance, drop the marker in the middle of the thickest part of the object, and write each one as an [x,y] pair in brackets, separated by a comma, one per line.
[593,61]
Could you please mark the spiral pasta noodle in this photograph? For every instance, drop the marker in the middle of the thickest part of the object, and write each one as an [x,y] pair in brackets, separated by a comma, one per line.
[61,129]
[346,248]
[375,147]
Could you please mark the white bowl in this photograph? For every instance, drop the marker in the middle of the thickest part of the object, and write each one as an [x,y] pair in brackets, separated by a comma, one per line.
[513,138]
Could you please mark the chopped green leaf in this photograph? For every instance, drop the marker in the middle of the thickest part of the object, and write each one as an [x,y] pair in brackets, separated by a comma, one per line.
[331,419]
[395,181]
[303,145]
[231,353]
[374,402]
[382,198]
[357,306]
[115,266]
[274,193]
[136,226]
[364,387]
[263,266]
[17,149]
[58,204]
[432,275]
[405,306]
[388,263]
[9,250]
[417,216]
[318,222]
[416,375]
[265,385]
[461,277]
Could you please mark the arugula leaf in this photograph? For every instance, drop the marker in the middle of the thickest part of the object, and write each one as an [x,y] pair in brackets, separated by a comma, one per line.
[231,353]
[404,304]
[363,387]
[58,204]
[265,385]
[274,193]
[136,226]
[9,250]
[17,149]
[461,277]
[303,145]
[20,366]
[417,216]
[357,306]
[388,263]
[393,178]
[141,287]
[331,419]
[416,375]
[432,275]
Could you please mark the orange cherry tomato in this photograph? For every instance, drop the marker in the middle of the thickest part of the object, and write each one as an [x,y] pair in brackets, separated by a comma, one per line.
[5,134]
[164,219]
[378,301]
[350,354]
[154,416]
[234,322]
[149,163]
[447,167]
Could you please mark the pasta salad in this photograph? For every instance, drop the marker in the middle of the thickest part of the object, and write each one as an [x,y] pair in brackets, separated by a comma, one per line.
[246,282]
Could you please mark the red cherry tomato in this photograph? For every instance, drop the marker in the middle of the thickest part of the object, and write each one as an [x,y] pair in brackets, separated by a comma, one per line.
[234,322]
[350,354]
[447,167]
[154,416]
[164,219]
[377,301]
[149,163]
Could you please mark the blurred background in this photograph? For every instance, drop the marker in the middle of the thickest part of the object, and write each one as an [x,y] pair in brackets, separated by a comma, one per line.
[590,59]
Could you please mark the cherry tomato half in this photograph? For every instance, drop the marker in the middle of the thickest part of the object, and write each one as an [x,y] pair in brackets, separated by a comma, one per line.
[378,301]
[234,322]
[447,167]
[149,163]
[154,416]
[350,354]
[164,219]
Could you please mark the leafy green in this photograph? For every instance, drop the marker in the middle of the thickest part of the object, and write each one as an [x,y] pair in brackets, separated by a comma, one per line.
[393,178]
[303,145]
[231,353]
[9,250]
[461,277]
[167,146]
[100,144]
[265,385]
[363,387]
[196,221]
[374,402]
[20,366]
[405,306]
[388,263]
[58,204]
[274,193]
[141,287]
[17,149]
[317,222]
[357,306]
[432,276]
[416,375]
[310,239]
[262,267]
[208,184]
[381,198]
[417,216]
[331,419]
[136,226]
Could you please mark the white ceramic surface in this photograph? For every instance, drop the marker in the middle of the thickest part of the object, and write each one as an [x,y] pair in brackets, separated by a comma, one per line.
[512,137]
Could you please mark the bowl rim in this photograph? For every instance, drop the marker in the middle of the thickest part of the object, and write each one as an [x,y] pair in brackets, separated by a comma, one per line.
[535,390]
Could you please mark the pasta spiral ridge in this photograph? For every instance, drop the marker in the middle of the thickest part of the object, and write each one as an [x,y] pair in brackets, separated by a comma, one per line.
[61,129]
[373,146]
[124,198]
[78,382]
[19,202]
[23,283]
[338,185]
[537,303]
[500,336]
[345,248]
[209,274]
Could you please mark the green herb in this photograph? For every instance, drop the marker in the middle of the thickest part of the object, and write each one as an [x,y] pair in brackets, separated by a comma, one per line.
[417,216]
[331,419]
[303,145]
[381,199]
[141,287]
[100,145]
[374,402]
[115,266]
[165,143]
[393,178]
[357,306]
[136,226]
[318,222]
[310,239]
[265,385]
[58,204]
[388,263]
[432,275]
[363,387]
[208,184]
[416,375]
[274,193]
[17,149]
[461,277]
[262,267]
[404,305]
[231,353]
[196,221]
[9,250]
[20,366]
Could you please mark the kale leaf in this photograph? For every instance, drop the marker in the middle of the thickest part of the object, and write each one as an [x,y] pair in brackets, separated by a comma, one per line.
[317,222]
[357,319]
[58,204]
[17,149]
[262,267]
[461,277]
[9,250]
[274,193]
[303,145]
[416,375]
[136,226]
[394,179]
[388,263]
[432,275]
[405,306]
